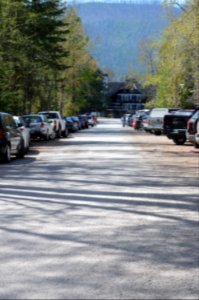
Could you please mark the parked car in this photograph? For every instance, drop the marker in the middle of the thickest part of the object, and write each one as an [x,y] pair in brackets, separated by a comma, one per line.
[40,127]
[129,120]
[126,118]
[155,121]
[11,139]
[192,127]
[70,124]
[94,115]
[175,125]
[76,122]
[25,131]
[84,121]
[136,122]
[138,117]
[197,135]
[145,123]
[91,120]
[58,123]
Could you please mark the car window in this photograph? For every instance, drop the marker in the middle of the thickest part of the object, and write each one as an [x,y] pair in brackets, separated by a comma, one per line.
[45,119]
[158,113]
[19,121]
[50,115]
[196,115]
[8,121]
[32,119]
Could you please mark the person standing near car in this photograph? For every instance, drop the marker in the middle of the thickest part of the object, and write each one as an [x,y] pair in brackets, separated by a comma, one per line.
[124,120]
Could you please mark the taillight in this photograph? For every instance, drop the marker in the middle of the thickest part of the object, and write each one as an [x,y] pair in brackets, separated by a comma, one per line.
[1,133]
[42,125]
[190,127]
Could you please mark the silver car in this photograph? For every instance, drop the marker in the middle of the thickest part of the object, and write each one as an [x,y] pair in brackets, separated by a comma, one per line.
[25,131]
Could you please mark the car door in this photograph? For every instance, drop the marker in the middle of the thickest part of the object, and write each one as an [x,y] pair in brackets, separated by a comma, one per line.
[48,126]
[12,131]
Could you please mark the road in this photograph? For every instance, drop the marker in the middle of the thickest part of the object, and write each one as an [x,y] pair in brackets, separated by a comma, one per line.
[107,213]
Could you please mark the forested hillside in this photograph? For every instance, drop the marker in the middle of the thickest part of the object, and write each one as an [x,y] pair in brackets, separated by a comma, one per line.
[117,29]
[44,59]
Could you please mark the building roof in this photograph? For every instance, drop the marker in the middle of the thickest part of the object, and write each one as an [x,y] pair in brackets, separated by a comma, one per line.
[120,87]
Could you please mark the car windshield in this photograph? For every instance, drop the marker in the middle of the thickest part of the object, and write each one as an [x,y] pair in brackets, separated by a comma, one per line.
[158,113]
[50,115]
[196,115]
[32,119]
[183,113]
[68,119]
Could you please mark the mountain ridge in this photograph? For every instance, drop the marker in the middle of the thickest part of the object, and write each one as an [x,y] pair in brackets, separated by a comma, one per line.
[117,29]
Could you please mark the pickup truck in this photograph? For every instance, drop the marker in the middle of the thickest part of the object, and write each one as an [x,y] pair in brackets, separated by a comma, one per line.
[175,125]
[58,123]
[155,121]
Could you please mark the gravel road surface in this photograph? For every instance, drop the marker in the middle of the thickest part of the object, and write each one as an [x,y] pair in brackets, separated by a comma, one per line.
[108,213]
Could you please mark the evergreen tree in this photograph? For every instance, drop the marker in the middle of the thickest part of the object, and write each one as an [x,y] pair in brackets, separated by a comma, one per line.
[82,81]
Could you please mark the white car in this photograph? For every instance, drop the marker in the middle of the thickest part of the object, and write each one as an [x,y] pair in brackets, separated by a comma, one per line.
[40,126]
[58,123]
[91,121]
[25,131]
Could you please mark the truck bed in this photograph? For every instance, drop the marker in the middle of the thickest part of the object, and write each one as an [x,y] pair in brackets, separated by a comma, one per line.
[175,126]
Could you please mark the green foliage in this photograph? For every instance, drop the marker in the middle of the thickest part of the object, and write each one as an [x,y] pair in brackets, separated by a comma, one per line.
[82,82]
[43,52]
[177,69]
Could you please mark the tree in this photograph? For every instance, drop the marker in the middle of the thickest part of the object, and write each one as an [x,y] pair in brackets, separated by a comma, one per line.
[44,59]
[82,81]
[177,61]
[31,51]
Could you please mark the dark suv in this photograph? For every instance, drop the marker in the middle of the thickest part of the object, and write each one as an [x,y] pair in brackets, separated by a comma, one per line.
[11,140]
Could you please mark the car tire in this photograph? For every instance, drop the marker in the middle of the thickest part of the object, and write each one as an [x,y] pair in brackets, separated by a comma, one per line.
[21,151]
[6,156]
[157,132]
[179,141]
[46,138]
[27,149]
[59,133]
[196,145]
[65,133]
[53,135]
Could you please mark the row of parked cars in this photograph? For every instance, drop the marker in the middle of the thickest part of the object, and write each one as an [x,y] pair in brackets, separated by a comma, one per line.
[17,132]
[180,125]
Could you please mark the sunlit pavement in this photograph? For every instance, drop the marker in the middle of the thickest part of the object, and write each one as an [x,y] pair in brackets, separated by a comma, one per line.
[90,217]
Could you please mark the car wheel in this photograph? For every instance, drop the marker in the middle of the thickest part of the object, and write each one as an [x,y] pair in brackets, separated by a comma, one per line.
[179,141]
[196,145]
[6,157]
[21,150]
[27,149]
[157,132]
[53,135]
[59,133]
[46,136]
[65,132]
